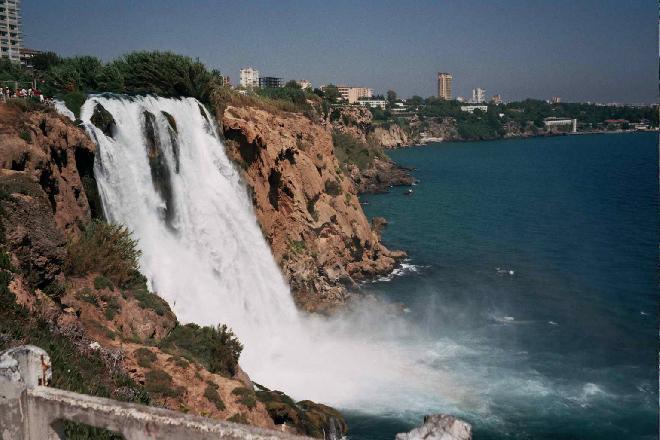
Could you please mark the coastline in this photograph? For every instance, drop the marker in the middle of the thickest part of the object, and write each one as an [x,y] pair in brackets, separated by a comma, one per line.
[429,141]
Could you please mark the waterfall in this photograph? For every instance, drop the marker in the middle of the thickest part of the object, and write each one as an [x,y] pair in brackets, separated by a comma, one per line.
[163,173]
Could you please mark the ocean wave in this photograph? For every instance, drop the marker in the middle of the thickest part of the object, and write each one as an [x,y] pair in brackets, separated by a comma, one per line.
[405,268]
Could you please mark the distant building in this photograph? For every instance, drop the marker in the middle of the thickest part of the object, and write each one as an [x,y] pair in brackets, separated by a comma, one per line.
[373,103]
[496,99]
[353,94]
[304,84]
[249,77]
[555,100]
[556,122]
[472,107]
[26,56]
[270,82]
[478,95]
[444,85]
[11,36]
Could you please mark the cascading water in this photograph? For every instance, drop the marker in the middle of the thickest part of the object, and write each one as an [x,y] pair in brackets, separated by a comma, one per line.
[164,174]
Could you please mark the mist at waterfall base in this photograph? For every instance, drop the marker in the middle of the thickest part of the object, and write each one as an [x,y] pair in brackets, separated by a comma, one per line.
[566,346]
[203,251]
[476,342]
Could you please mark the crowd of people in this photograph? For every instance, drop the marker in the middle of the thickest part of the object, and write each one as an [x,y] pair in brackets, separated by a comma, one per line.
[10,93]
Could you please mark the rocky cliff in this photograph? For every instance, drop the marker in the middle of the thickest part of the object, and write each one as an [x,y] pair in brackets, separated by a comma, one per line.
[108,338]
[307,207]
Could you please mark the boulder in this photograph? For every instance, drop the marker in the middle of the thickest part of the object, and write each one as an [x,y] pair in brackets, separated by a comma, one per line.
[439,427]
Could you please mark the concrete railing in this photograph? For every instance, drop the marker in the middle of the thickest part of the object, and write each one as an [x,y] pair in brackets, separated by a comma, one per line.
[29,410]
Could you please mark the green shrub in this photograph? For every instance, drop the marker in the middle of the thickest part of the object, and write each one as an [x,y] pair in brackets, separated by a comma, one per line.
[246,396]
[5,260]
[151,301]
[216,348]
[87,295]
[351,150]
[55,290]
[104,248]
[332,187]
[297,246]
[112,307]
[145,357]
[26,136]
[211,393]
[101,282]
[159,382]
[179,362]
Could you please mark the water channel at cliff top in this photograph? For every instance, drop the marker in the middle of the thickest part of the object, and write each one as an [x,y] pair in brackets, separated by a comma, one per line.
[533,266]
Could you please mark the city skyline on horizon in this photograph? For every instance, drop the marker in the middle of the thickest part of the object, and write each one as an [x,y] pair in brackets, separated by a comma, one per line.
[607,60]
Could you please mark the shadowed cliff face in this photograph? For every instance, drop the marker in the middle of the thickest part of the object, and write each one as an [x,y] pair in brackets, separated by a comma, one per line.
[307,208]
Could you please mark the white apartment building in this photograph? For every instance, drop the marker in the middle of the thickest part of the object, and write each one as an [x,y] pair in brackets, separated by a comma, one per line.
[352,94]
[478,95]
[472,107]
[249,77]
[11,37]
[556,122]
[373,103]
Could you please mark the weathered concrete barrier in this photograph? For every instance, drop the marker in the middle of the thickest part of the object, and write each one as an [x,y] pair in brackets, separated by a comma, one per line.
[30,410]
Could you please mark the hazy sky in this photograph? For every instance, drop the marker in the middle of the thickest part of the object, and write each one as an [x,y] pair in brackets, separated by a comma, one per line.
[597,50]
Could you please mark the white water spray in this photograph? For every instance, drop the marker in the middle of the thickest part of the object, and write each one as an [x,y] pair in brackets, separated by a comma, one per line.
[208,259]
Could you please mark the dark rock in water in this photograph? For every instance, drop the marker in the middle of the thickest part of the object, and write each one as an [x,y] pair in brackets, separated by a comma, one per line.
[160,173]
[202,111]
[102,119]
[439,427]
[306,417]
[85,166]
[171,121]
[173,131]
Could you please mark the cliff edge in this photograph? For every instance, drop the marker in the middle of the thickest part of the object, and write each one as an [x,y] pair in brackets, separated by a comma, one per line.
[306,205]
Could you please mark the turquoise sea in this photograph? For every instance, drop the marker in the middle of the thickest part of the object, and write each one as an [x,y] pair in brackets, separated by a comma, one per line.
[533,263]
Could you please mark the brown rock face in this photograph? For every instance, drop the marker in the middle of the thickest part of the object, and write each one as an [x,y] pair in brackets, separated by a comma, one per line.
[308,210]
[29,229]
[55,153]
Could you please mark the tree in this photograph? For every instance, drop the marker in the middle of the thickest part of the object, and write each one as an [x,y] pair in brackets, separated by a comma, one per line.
[416,100]
[43,61]
[331,92]
[292,85]
[391,97]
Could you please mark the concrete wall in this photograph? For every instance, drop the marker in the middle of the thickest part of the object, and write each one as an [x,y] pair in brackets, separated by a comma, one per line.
[31,411]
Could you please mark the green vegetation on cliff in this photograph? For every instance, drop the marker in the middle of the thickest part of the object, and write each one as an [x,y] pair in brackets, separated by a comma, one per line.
[354,151]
